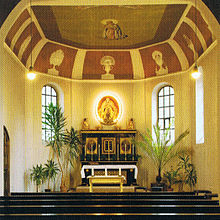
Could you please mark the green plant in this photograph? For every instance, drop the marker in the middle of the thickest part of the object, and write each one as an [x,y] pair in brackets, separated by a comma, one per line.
[189,175]
[37,175]
[50,171]
[64,143]
[160,149]
[171,176]
[71,149]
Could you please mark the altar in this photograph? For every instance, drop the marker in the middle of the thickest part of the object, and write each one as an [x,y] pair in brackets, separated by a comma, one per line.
[109,153]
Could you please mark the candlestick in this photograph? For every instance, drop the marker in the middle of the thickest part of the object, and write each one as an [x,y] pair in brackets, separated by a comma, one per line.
[108,153]
[99,151]
[92,152]
[133,151]
[85,151]
[118,151]
[125,152]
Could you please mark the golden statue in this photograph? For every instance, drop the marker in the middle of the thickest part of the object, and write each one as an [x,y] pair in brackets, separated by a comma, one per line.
[108,111]
[85,124]
[130,125]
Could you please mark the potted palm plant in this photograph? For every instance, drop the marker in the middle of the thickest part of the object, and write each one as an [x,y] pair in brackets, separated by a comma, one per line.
[50,171]
[172,177]
[37,175]
[63,143]
[71,150]
[189,175]
[160,149]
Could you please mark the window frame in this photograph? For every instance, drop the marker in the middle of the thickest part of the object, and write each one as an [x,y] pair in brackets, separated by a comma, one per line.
[171,108]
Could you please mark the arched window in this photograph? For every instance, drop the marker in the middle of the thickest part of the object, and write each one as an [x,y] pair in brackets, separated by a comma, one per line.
[166,114]
[49,95]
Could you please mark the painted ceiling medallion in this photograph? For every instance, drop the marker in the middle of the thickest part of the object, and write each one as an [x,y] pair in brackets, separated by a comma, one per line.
[161,67]
[108,110]
[107,62]
[56,59]
[112,30]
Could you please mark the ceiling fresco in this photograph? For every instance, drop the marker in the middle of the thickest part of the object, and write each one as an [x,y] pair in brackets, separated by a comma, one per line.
[108,27]
[122,69]
[55,59]
[202,25]
[159,60]
[110,42]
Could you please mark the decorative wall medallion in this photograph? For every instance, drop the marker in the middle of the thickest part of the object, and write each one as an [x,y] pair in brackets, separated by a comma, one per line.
[161,67]
[91,145]
[125,145]
[56,59]
[112,30]
[108,145]
[107,62]
[108,110]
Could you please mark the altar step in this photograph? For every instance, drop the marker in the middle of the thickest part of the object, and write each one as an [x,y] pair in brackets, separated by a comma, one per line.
[105,189]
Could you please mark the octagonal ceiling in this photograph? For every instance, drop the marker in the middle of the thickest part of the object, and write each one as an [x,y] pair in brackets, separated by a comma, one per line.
[70,41]
[83,26]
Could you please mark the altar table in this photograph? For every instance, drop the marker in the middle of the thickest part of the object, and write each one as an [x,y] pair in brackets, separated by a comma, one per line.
[106,180]
[106,167]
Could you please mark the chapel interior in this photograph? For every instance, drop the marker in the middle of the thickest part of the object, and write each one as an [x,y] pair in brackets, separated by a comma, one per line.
[116,69]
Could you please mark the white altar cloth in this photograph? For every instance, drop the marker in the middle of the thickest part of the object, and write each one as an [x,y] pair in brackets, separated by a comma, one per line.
[106,167]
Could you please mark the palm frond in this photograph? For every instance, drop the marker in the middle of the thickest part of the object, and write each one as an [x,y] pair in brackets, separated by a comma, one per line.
[160,149]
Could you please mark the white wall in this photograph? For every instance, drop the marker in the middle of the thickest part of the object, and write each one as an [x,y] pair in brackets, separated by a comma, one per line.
[14,115]
[1,123]
[36,151]
[207,155]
